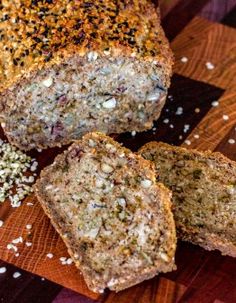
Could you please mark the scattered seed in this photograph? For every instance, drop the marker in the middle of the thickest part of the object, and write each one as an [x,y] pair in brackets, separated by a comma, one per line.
[196,136]
[28,244]
[50,256]
[215,103]
[225,117]
[17,240]
[188,142]
[184,59]
[28,226]
[16,275]
[133,133]
[179,111]
[1,223]
[210,66]
[197,110]
[231,141]
[166,121]
[171,126]
[3,270]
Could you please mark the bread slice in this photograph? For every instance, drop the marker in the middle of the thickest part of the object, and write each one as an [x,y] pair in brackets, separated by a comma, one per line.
[73,66]
[113,216]
[204,194]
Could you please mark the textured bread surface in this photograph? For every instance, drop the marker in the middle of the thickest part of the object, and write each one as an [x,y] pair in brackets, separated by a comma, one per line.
[114,218]
[69,67]
[203,185]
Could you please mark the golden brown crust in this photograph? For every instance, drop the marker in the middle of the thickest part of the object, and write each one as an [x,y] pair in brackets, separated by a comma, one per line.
[36,34]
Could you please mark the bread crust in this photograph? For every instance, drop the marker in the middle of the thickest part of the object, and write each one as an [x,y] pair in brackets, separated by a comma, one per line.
[70,242]
[44,34]
[206,239]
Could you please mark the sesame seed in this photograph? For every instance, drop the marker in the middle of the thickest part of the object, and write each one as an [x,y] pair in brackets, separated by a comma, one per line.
[196,136]
[28,244]
[171,126]
[225,117]
[16,275]
[184,59]
[17,255]
[197,110]
[28,226]
[1,223]
[133,133]
[50,256]
[3,270]
[42,279]
[231,141]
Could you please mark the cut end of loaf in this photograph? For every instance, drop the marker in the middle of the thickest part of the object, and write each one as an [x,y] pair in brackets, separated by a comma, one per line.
[91,93]
[117,220]
[204,194]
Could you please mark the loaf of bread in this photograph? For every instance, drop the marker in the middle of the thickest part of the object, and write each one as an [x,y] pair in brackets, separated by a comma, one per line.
[204,194]
[114,218]
[68,67]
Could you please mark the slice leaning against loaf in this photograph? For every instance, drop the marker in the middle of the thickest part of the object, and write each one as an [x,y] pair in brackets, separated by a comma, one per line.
[203,185]
[112,215]
[71,67]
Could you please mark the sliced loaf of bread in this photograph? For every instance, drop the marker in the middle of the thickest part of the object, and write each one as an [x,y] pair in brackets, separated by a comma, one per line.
[204,194]
[114,218]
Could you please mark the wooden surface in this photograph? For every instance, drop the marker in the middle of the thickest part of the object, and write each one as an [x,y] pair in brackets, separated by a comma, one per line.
[201,276]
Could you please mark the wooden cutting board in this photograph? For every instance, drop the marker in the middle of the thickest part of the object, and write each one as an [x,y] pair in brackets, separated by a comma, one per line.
[201,126]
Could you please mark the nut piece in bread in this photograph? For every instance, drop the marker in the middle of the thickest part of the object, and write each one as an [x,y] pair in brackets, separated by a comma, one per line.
[203,185]
[68,67]
[117,220]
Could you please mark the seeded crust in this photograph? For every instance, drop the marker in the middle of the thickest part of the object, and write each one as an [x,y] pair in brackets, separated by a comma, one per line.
[203,185]
[65,59]
[114,218]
